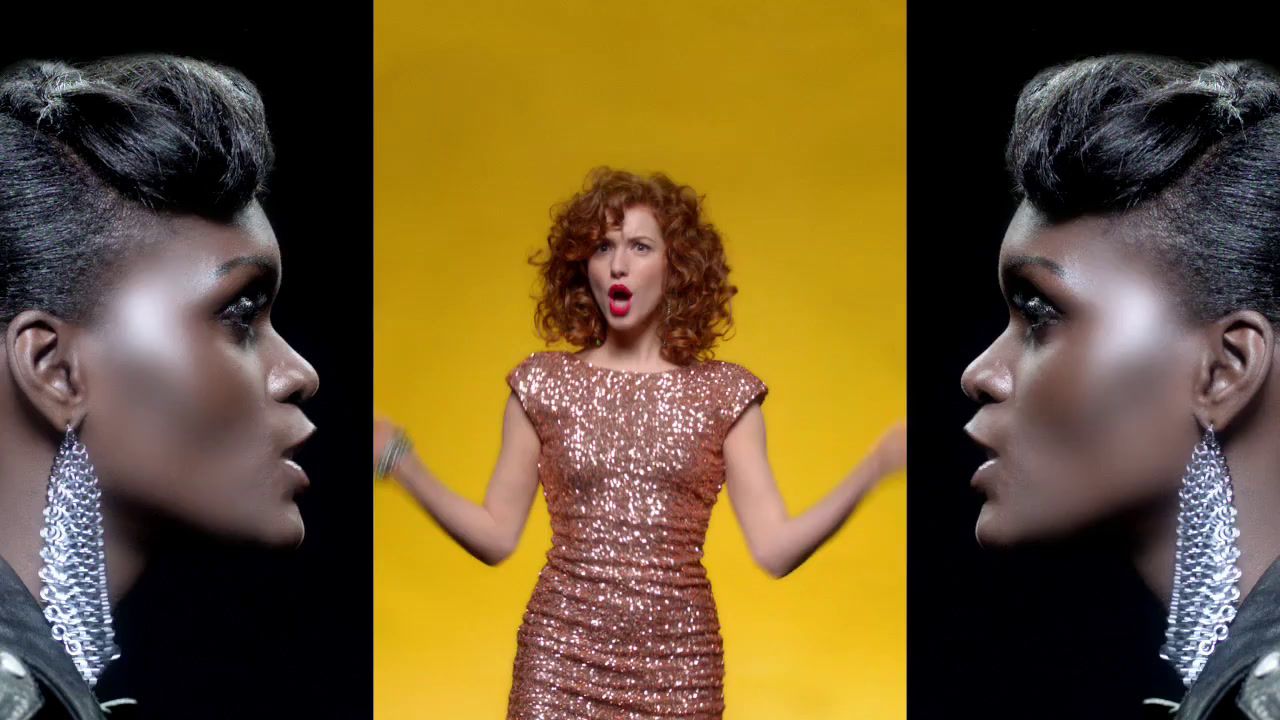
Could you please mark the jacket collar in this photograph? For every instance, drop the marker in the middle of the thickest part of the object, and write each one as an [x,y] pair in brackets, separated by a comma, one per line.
[1255,631]
[24,630]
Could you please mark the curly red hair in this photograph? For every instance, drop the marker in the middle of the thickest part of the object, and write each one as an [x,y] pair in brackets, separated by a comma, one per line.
[696,285]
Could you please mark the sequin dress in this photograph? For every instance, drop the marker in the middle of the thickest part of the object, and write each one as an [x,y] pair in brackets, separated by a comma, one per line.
[622,623]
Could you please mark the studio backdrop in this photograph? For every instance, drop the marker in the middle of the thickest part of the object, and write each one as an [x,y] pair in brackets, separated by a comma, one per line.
[790,118]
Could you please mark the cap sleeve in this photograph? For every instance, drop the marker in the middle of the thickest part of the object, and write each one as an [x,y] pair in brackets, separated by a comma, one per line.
[742,388]
[523,380]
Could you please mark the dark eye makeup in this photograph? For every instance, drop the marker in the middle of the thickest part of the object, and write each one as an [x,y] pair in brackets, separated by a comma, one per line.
[1033,306]
[248,306]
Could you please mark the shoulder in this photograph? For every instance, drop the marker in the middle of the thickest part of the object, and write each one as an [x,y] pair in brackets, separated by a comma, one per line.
[738,386]
[733,374]
[20,697]
[1249,689]
[1259,696]
[532,362]
[532,358]
[528,378]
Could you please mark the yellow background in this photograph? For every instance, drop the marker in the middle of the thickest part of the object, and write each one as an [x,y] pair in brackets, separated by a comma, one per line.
[791,118]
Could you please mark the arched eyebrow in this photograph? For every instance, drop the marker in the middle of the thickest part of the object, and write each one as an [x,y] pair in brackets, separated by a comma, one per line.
[1013,268]
[265,264]
[1018,262]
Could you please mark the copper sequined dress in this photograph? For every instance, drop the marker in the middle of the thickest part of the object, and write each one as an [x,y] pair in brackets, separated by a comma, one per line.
[622,623]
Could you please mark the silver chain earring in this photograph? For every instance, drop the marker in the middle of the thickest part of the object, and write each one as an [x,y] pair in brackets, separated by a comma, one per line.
[1205,570]
[74,573]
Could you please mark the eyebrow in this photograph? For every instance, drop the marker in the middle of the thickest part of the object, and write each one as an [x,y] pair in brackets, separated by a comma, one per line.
[1017,262]
[263,262]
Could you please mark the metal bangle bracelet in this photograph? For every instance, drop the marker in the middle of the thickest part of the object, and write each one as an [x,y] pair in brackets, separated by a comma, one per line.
[392,453]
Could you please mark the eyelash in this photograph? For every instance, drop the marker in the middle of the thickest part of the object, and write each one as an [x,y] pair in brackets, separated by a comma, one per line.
[240,314]
[1036,310]
[603,246]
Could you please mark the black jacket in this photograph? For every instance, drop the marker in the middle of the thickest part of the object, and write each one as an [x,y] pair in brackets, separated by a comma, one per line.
[1242,677]
[37,677]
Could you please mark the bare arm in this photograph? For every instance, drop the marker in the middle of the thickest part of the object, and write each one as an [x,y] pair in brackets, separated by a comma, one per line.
[778,542]
[490,531]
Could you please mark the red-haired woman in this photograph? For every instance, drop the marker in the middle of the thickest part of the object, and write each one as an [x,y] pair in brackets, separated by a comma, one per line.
[631,438]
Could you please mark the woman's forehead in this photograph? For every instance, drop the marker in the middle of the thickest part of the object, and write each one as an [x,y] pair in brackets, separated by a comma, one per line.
[1090,256]
[249,233]
[637,220]
[190,253]
[1070,242]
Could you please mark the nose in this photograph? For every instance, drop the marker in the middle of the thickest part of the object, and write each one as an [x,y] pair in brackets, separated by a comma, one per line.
[988,378]
[292,379]
[618,264]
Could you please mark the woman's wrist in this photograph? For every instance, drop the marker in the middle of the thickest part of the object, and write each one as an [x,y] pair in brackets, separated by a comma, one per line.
[890,453]
[393,454]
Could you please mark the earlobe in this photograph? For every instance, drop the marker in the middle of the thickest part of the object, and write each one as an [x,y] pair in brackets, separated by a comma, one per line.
[1237,363]
[40,352]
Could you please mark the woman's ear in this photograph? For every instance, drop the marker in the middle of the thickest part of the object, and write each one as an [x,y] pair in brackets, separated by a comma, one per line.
[1236,364]
[40,350]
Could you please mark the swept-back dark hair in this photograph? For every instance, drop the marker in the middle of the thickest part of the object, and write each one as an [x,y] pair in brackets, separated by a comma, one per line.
[1189,152]
[90,153]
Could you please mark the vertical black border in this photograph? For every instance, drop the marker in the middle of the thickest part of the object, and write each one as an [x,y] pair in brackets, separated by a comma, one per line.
[236,632]
[1053,632]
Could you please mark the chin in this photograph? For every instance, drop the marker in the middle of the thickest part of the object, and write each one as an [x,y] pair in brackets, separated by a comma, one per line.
[287,529]
[992,530]
[1000,527]
[633,318]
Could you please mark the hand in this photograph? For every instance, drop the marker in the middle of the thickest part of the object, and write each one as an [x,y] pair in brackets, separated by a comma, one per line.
[891,449]
[383,431]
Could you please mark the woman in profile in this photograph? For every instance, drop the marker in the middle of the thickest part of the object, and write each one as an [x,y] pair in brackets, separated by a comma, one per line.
[631,438]
[1136,387]
[141,381]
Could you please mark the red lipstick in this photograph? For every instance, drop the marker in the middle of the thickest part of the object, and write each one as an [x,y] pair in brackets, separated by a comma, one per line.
[619,299]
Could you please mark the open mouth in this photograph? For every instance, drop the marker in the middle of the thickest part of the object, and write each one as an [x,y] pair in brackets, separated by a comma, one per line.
[619,300]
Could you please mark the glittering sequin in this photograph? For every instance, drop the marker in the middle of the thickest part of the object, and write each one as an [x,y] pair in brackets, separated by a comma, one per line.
[622,623]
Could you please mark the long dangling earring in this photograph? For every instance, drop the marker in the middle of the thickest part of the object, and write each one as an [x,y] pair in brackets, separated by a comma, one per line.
[1205,570]
[74,573]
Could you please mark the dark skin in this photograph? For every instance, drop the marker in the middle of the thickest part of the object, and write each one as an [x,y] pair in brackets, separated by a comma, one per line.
[1094,396]
[181,389]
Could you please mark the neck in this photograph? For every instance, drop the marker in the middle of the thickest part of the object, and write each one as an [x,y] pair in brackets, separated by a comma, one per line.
[639,349]
[23,495]
[1256,498]
[1152,548]
[1257,503]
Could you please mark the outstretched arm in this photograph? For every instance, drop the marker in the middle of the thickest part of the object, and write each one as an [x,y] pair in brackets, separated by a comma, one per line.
[778,542]
[490,531]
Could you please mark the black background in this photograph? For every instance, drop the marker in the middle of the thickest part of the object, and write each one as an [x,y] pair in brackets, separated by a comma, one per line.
[1052,632]
[233,632]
